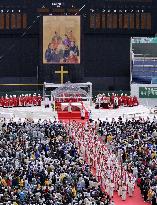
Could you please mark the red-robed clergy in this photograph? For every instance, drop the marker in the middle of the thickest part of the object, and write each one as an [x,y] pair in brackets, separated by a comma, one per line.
[18,100]
[21,100]
[106,101]
[39,99]
[30,100]
[125,100]
[130,101]
[11,102]
[2,101]
[24,101]
[135,101]
[6,102]
[120,100]
[112,98]
[15,101]
[34,100]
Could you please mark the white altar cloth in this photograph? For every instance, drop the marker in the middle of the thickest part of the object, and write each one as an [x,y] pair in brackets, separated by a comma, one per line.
[77,104]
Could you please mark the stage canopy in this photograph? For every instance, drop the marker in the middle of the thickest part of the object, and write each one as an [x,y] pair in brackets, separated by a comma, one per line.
[69,90]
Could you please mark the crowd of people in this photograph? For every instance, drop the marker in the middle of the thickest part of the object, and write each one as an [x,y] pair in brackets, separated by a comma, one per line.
[73,163]
[122,152]
[40,164]
[115,101]
[135,142]
[27,100]
[109,172]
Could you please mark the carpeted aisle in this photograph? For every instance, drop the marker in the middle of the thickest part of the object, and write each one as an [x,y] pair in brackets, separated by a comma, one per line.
[135,200]
[74,115]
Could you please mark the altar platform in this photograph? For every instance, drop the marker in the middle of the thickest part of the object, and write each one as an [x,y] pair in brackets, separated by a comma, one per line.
[74,115]
[75,106]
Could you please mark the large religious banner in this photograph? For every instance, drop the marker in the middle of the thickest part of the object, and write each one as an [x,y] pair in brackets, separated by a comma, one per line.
[61,39]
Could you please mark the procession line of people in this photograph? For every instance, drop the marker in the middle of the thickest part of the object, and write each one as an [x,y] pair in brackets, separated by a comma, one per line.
[110,173]
[134,142]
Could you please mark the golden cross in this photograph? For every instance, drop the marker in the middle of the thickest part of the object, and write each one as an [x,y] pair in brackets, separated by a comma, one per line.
[62,72]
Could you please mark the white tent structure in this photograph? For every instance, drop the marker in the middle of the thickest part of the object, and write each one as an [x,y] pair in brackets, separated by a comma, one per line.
[72,90]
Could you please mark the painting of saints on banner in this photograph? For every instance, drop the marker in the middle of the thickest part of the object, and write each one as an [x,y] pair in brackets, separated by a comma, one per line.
[61,39]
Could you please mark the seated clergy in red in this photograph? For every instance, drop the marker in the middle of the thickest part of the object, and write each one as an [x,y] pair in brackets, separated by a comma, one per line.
[6,101]
[30,100]
[125,100]
[130,102]
[15,101]
[79,99]
[120,100]
[135,101]
[24,100]
[106,102]
[112,98]
[11,101]
[39,99]
[21,100]
[1,101]
[34,99]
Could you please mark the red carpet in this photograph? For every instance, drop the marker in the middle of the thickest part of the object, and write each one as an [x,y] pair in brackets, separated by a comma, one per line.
[135,200]
[74,115]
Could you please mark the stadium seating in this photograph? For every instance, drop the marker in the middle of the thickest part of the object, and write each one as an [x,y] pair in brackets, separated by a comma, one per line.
[144,70]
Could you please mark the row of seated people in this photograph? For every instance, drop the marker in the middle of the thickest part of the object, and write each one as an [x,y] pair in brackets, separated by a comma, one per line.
[115,101]
[20,101]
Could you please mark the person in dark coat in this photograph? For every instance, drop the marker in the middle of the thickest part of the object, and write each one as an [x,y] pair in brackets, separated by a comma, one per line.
[49,53]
